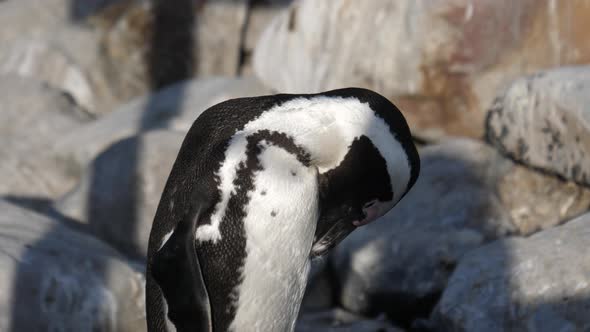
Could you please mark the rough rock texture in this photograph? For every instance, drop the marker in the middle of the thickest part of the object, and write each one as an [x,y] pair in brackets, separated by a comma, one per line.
[338,320]
[175,108]
[260,14]
[541,283]
[37,40]
[33,117]
[55,279]
[144,51]
[119,194]
[441,61]
[543,120]
[467,194]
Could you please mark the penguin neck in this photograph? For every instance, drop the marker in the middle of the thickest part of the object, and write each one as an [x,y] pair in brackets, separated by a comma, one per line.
[324,127]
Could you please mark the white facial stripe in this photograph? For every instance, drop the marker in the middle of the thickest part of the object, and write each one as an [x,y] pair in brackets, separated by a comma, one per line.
[325,127]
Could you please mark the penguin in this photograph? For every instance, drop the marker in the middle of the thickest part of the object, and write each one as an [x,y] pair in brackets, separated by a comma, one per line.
[262,185]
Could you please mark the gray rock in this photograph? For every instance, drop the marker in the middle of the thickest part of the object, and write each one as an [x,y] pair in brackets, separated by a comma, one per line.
[55,279]
[50,49]
[338,320]
[118,196]
[467,194]
[540,283]
[32,117]
[542,120]
[175,107]
[441,61]
[260,15]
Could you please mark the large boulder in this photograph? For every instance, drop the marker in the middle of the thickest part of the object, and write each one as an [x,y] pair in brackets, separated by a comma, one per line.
[146,47]
[175,107]
[55,279]
[467,194]
[260,14]
[441,61]
[34,116]
[37,40]
[118,195]
[543,120]
[541,283]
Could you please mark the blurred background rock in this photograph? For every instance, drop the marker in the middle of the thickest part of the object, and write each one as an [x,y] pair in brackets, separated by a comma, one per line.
[96,96]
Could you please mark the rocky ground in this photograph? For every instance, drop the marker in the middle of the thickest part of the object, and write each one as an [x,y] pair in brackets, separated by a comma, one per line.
[96,96]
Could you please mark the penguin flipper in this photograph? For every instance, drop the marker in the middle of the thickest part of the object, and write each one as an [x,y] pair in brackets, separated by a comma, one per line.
[177,271]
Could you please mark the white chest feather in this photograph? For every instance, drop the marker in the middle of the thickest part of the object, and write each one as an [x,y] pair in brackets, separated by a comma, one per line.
[280,224]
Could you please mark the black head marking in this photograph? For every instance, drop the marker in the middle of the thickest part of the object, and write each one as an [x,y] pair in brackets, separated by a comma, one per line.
[361,177]
[398,126]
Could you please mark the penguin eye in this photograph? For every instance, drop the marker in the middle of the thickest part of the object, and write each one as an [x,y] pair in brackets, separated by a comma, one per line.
[369,204]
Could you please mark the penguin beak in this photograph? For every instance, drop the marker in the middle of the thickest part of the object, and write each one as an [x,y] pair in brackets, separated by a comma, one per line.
[330,237]
[334,227]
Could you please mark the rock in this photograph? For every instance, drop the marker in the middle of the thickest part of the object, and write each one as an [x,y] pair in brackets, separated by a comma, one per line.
[137,40]
[260,14]
[338,320]
[56,279]
[537,201]
[542,120]
[541,283]
[82,9]
[467,194]
[119,194]
[51,50]
[175,107]
[33,116]
[442,62]
[319,292]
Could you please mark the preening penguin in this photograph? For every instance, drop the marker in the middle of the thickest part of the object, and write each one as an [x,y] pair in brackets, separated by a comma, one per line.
[260,186]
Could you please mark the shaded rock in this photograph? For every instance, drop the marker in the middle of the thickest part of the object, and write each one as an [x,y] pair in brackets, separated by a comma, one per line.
[33,116]
[541,283]
[466,195]
[441,61]
[542,120]
[319,292]
[51,50]
[56,279]
[82,9]
[175,107]
[119,194]
[339,320]
[145,50]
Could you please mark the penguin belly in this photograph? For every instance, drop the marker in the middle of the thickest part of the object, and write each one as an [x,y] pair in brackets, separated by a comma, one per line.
[280,222]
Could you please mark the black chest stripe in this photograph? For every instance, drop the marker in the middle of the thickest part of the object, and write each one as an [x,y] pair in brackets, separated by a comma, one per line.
[223,261]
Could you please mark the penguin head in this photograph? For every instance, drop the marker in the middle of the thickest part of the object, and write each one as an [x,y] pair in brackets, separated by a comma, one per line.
[378,168]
